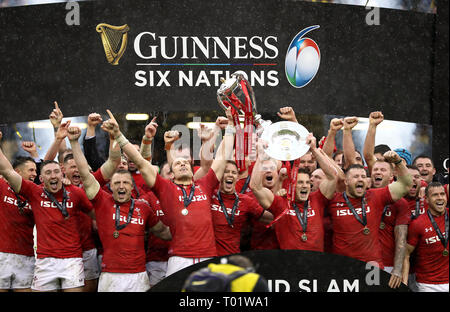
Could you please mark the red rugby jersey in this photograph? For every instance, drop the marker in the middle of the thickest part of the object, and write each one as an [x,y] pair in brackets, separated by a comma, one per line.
[396,214]
[16,229]
[192,234]
[228,238]
[57,237]
[348,237]
[288,228]
[431,266]
[126,253]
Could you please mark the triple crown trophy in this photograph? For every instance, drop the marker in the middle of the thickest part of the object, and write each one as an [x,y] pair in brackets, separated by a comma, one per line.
[286,140]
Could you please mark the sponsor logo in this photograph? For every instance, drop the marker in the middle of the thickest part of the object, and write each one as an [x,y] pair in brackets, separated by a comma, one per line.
[114,40]
[215,207]
[302,59]
[348,212]
[139,221]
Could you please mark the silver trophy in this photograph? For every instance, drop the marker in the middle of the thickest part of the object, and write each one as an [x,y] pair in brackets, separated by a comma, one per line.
[232,89]
[286,140]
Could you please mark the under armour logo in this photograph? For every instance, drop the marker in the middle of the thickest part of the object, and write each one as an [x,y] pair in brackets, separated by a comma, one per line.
[428,229]
[340,204]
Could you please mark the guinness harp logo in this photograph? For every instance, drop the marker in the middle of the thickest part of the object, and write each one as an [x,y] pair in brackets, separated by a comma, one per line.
[114,39]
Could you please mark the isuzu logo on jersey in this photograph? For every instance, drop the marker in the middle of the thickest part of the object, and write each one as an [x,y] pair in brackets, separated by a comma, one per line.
[215,207]
[194,198]
[13,201]
[49,204]
[302,59]
[311,213]
[348,212]
[139,221]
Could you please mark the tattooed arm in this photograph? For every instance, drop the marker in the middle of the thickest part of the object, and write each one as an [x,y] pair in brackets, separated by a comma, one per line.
[401,232]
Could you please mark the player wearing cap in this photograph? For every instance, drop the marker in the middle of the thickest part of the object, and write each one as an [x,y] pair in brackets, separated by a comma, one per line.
[428,238]
[186,204]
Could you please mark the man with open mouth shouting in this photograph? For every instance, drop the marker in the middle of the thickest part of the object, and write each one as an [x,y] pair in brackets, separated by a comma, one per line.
[56,210]
[301,226]
[231,210]
[356,212]
[121,222]
[428,238]
[186,203]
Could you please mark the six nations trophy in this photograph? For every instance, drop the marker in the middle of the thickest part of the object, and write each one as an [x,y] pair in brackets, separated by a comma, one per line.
[286,140]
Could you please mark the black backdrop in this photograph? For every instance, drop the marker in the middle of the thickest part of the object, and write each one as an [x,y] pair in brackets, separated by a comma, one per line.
[399,67]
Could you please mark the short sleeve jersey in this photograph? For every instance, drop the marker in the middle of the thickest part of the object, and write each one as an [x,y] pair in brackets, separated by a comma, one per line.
[228,237]
[193,233]
[348,236]
[126,253]
[395,214]
[431,266]
[16,230]
[416,206]
[57,236]
[288,228]
[157,248]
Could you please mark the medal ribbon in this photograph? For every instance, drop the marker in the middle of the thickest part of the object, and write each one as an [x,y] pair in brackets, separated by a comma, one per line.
[20,203]
[187,200]
[363,221]
[117,216]
[291,191]
[419,202]
[444,239]
[384,212]
[230,219]
[245,186]
[62,207]
[303,221]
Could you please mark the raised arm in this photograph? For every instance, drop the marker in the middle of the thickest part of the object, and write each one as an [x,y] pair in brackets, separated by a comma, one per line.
[169,138]
[264,196]
[327,186]
[336,124]
[60,135]
[147,140]
[375,118]
[287,113]
[225,150]
[90,184]
[148,172]
[347,141]
[208,137]
[8,172]
[399,188]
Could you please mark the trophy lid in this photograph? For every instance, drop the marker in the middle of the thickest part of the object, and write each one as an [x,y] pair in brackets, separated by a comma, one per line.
[286,140]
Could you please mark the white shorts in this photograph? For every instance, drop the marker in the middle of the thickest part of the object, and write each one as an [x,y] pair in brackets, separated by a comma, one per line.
[123,282]
[16,271]
[422,287]
[54,273]
[90,262]
[176,263]
[156,271]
